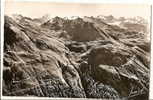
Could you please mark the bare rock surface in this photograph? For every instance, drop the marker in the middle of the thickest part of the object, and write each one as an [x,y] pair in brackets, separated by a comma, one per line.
[79,58]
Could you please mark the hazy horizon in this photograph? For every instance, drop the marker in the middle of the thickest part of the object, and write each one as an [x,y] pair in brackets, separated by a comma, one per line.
[38,9]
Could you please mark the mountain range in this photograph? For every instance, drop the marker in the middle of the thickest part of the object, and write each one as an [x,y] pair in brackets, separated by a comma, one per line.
[79,57]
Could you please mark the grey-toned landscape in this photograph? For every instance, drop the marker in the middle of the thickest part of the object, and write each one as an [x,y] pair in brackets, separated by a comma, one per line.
[76,57]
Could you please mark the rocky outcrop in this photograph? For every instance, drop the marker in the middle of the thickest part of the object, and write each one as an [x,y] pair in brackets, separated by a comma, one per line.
[119,68]
[79,58]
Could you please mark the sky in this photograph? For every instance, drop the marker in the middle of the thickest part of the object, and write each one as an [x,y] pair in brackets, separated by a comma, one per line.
[38,9]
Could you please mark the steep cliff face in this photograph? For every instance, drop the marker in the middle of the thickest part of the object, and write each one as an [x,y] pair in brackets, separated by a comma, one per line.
[80,58]
[35,64]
